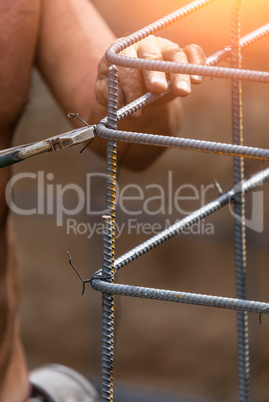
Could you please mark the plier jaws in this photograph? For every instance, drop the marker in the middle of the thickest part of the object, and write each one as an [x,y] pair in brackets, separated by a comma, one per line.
[71,138]
[56,143]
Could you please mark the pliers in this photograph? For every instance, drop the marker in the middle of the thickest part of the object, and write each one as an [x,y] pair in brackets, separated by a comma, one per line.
[61,141]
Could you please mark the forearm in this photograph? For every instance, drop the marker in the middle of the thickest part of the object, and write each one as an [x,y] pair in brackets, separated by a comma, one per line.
[12,363]
[73,38]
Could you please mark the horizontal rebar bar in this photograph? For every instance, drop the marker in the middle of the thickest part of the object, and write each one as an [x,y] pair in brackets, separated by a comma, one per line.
[183,143]
[191,69]
[180,297]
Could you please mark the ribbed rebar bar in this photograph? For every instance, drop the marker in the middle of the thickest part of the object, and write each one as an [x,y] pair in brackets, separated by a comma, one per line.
[109,243]
[156,26]
[108,313]
[182,143]
[192,69]
[189,220]
[239,223]
[181,297]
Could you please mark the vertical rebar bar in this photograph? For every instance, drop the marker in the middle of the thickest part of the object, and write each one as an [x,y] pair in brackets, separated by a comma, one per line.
[239,208]
[109,242]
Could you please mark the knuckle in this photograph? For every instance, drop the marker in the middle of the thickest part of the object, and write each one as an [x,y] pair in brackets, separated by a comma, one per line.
[101,92]
[174,49]
[173,52]
[153,55]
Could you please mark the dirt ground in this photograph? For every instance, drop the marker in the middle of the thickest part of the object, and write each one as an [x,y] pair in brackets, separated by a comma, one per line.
[166,346]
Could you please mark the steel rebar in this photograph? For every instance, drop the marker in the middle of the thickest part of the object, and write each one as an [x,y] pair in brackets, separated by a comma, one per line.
[182,143]
[181,297]
[239,208]
[109,243]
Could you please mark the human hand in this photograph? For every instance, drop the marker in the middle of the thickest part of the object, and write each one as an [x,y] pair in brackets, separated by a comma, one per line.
[133,82]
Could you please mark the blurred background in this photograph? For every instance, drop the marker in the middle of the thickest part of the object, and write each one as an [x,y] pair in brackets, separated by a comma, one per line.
[160,348]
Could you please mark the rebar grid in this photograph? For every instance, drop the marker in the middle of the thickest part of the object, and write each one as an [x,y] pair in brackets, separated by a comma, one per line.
[102,280]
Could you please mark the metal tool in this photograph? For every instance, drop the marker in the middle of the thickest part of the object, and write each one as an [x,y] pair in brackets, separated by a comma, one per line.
[61,141]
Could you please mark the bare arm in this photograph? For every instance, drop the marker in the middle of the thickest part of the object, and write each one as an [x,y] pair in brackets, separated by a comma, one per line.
[73,38]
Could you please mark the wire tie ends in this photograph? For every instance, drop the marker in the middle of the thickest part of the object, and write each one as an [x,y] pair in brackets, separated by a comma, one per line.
[76,115]
[264,310]
[78,274]
[218,186]
[98,276]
